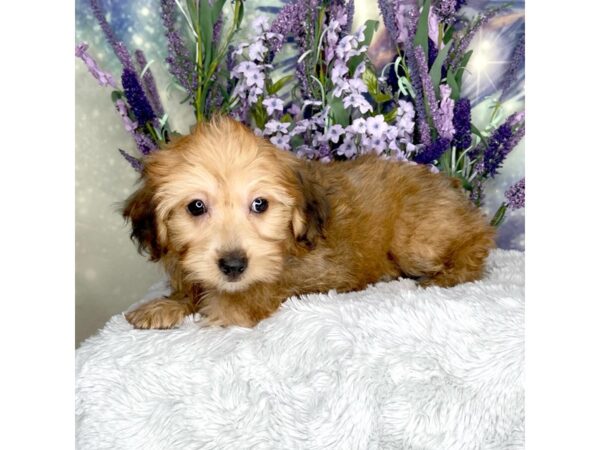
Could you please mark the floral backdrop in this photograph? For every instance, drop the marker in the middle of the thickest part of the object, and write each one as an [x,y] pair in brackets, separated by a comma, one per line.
[103,176]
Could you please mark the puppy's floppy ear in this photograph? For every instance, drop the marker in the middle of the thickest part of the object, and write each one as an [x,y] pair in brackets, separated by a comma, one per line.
[139,208]
[311,213]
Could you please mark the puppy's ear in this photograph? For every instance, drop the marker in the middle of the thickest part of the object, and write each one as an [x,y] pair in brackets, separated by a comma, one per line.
[139,208]
[310,216]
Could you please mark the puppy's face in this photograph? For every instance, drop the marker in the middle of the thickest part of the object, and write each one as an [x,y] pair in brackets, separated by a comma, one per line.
[226,203]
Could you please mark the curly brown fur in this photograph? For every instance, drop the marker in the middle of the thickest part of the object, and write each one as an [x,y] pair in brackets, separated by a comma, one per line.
[338,226]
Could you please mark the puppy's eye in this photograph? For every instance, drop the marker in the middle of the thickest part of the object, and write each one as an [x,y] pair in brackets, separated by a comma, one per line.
[196,207]
[259,205]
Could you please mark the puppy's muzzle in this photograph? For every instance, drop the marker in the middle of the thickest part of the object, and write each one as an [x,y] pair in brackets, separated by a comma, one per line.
[233,264]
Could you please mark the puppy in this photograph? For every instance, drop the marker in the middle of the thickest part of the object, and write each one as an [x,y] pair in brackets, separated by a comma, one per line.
[241,225]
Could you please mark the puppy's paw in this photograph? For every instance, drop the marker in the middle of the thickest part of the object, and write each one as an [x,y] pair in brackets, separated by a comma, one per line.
[161,313]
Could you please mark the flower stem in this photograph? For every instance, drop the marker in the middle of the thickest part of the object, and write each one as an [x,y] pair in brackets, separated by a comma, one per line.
[499,216]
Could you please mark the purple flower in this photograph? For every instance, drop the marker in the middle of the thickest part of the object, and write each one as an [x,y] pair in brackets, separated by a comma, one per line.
[428,90]
[423,126]
[497,149]
[515,195]
[291,20]
[358,126]
[117,46]
[274,126]
[149,84]
[516,63]
[446,112]
[129,124]
[357,101]
[104,78]
[462,124]
[457,52]
[180,62]
[432,151]
[376,144]
[256,50]
[334,133]
[376,126]
[273,104]
[347,148]
[136,98]
[135,163]
[396,18]
[281,141]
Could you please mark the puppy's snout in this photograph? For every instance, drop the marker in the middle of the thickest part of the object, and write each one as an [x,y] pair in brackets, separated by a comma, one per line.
[233,264]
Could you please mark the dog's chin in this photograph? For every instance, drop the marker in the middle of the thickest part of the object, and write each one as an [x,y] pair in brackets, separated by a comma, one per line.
[233,286]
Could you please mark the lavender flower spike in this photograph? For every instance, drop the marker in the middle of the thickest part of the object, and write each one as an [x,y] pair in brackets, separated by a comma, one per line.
[515,195]
[104,78]
[137,99]
[458,51]
[149,84]
[423,126]
[436,114]
[433,151]
[135,163]
[516,63]
[462,124]
[502,142]
[118,47]
[181,64]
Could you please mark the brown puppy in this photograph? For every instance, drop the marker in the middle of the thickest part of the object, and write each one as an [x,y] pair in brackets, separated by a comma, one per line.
[240,226]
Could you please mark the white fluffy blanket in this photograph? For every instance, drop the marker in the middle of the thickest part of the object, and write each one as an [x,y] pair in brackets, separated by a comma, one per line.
[391,367]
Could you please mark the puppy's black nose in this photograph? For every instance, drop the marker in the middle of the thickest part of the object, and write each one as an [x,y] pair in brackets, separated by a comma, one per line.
[233,264]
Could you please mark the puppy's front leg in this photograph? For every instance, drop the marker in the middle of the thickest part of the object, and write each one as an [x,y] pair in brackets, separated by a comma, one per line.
[162,313]
[244,309]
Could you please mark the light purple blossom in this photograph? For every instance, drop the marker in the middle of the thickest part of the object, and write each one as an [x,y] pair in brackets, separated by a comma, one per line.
[339,70]
[446,112]
[129,124]
[256,50]
[357,101]
[334,133]
[104,78]
[274,126]
[306,151]
[376,126]
[347,148]
[433,28]
[515,195]
[301,126]
[281,141]
[358,126]
[273,104]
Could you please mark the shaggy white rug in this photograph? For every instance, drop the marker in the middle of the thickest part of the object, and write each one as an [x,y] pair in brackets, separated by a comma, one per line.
[392,367]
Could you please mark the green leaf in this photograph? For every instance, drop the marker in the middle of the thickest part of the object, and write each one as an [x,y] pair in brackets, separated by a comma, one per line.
[436,68]
[370,79]
[206,32]
[217,7]
[275,87]
[390,116]
[477,132]
[448,36]
[371,28]
[240,17]
[422,33]
[381,97]
[193,13]
[451,79]
[116,95]
[339,113]
[462,66]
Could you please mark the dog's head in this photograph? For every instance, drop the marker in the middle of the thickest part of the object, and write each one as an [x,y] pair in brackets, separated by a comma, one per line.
[227,205]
